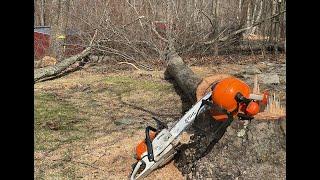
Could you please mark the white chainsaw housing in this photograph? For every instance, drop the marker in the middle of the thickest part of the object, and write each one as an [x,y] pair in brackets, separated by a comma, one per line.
[164,144]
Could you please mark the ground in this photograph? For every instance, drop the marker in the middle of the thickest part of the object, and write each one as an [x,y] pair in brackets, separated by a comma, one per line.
[88,123]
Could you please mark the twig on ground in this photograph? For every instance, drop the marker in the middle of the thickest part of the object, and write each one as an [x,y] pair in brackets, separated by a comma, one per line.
[130,64]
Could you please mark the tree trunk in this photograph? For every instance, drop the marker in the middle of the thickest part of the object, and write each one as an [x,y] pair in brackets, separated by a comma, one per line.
[243,17]
[59,21]
[217,28]
[257,17]
[208,155]
[42,13]
[183,76]
[169,29]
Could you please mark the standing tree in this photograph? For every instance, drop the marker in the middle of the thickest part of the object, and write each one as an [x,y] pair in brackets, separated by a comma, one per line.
[59,21]
[42,13]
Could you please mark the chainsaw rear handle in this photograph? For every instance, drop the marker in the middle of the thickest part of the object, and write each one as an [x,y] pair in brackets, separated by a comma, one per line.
[149,143]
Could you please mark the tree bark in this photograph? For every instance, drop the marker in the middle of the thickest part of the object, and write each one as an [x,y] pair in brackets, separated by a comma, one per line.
[169,29]
[243,18]
[183,76]
[257,19]
[217,28]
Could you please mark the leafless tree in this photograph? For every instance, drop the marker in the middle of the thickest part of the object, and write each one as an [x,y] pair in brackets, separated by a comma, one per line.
[59,21]
[145,29]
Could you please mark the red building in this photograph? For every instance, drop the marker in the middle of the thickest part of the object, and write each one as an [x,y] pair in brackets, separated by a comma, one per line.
[42,42]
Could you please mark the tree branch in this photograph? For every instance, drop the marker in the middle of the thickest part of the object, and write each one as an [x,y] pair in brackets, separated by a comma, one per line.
[157,33]
[130,64]
[241,30]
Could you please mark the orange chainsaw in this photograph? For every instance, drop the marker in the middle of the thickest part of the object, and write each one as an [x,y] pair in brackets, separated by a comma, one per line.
[228,98]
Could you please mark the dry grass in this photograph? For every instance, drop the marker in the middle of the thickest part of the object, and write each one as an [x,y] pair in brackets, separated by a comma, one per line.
[77,133]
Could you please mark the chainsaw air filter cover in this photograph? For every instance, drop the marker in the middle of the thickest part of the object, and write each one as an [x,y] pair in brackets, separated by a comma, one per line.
[224,92]
[142,146]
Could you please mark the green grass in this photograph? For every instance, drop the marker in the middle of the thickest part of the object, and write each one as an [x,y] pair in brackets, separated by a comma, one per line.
[124,85]
[56,122]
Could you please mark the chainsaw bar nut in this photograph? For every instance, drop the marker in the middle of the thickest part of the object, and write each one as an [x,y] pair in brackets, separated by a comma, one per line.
[185,138]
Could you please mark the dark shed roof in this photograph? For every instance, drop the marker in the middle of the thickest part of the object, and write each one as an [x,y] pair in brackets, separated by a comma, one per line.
[46,30]
[42,29]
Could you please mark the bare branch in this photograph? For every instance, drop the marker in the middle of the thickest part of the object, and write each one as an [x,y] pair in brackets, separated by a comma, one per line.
[241,30]
[158,35]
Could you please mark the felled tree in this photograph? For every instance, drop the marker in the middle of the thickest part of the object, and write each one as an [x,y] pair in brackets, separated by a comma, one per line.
[241,150]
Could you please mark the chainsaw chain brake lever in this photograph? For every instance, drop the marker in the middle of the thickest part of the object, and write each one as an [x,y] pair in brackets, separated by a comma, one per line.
[208,103]
[160,124]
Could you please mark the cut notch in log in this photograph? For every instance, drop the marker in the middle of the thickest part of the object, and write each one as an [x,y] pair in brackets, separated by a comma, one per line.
[273,110]
[206,82]
[274,105]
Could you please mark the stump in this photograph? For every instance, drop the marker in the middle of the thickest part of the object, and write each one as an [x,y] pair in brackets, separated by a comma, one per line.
[207,155]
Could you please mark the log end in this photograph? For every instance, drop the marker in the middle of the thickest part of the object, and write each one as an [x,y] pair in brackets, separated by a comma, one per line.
[205,84]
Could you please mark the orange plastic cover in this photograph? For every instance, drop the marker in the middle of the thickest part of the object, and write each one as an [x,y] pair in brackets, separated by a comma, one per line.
[142,146]
[225,91]
[252,109]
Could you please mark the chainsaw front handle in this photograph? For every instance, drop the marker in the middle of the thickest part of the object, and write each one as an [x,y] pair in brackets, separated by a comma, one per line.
[135,170]
[147,168]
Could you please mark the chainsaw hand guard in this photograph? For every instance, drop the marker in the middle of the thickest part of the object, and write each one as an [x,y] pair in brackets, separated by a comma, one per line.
[149,143]
[160,124]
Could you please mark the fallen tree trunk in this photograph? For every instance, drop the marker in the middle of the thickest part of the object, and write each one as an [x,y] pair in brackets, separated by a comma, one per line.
[183,75]
[55,70]
[257,48]
[61,66]
[218,152]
